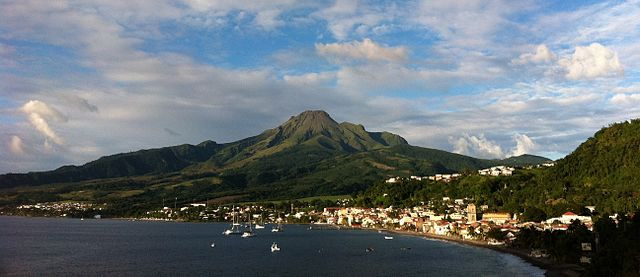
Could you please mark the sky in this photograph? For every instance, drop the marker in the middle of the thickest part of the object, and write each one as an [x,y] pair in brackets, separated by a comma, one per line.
[489,79]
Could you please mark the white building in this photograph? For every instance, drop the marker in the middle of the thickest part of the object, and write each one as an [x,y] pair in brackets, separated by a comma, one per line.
[569,217]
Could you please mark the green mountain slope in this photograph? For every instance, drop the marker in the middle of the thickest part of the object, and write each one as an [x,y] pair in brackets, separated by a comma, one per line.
[309,154]
[603,170]
[524,160]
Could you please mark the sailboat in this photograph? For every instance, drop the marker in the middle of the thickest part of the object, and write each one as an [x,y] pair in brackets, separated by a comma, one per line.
[235,226]
[274,247]
[261,225]
[277,229]
[248,232]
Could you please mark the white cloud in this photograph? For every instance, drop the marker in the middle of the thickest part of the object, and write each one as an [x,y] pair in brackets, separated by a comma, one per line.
[626,99]
[542,55]
[466,23]
[590,62]
[16,146]
[268,19]
[265,13]
[345,15]
[481,147]
[524,145]
[365,50]
[39,114]
[477,146]
[310,78]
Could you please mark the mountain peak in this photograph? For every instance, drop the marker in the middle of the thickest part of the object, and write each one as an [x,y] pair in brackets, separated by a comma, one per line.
[309,123]
[314,116]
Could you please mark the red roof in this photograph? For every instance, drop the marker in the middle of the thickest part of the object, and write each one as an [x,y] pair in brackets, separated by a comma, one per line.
[569,214]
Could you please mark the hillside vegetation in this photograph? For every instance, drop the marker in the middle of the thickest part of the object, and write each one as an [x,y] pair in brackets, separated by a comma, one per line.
[604,172]
[308,155]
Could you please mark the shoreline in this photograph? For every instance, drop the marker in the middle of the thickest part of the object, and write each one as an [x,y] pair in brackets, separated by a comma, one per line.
[551,268]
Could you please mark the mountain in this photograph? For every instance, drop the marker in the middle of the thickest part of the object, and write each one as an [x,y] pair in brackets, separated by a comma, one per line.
[309,154]
[524,160]
[602,171]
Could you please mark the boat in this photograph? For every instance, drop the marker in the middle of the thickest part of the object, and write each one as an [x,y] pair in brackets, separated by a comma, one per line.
[235,226]
[369,249]
[388,237]
[277,229]
[248,232]
[213,244]
[274,247]
[260,226]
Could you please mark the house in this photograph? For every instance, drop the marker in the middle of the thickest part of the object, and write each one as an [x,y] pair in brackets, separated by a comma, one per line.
[497,171]
[441,227]
[406,220]
[569,217]
[496,217]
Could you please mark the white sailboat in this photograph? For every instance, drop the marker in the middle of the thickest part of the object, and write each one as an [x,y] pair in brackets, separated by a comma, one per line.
[235,226]
[277,229]
[261,225]
[248,232]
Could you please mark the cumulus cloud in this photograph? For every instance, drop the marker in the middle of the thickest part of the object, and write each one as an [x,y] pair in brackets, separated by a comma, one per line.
[364,50]
[542,55]
[524,145]
[477,146]
[39,114]
[480,146]
[16,146]
[590,62]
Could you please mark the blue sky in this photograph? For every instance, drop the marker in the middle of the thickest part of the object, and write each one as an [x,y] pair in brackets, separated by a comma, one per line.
[490,79]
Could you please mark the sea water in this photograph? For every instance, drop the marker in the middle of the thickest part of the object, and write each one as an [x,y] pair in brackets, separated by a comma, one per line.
[63,247]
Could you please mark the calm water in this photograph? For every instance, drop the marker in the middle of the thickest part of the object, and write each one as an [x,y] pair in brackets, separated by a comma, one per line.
[61,247]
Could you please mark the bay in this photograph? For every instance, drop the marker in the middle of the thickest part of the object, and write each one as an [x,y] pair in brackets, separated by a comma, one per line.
[71,247]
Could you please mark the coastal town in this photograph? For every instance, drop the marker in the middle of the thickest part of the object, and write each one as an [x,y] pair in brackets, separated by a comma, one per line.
[448,218]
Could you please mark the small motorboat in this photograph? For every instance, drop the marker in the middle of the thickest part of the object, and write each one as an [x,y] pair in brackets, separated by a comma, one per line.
[274,247]
[213,244]
[248,234]
[369,249]
[388,237]
[258,226]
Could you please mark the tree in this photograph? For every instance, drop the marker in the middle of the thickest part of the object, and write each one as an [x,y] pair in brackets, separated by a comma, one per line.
[534,214]
[496,234]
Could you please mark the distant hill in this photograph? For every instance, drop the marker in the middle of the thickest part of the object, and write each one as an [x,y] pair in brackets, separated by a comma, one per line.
[309,154]
[524,160]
